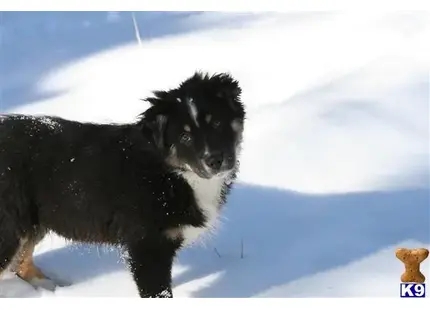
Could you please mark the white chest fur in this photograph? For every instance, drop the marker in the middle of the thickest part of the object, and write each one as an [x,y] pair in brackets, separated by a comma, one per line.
[207,194]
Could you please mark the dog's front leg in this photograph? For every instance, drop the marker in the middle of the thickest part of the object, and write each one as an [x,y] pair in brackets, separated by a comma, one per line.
[151,260]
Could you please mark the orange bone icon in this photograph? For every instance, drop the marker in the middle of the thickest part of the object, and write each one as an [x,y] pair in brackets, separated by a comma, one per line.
[412,258]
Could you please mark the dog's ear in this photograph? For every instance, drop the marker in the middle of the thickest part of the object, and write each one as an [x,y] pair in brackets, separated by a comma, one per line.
[229,90]
[158,127]
[230,93]
[154,122]
[232,96]
[156,117]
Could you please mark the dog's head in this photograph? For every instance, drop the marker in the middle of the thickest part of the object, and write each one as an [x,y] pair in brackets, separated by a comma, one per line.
[199,124]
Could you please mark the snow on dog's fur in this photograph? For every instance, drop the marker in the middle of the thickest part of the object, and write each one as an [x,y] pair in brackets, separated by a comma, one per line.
[151,186]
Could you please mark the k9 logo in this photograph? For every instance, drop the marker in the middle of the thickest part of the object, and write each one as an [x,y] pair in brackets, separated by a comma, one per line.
[412,290]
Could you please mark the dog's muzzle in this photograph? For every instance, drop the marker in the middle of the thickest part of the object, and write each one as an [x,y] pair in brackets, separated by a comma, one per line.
[214,161]
[215,164]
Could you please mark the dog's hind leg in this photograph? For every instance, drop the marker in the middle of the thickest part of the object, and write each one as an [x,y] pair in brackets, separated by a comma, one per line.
[24,266]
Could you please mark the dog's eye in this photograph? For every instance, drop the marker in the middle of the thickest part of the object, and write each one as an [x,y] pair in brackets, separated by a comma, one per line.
[216,124]
[186,138]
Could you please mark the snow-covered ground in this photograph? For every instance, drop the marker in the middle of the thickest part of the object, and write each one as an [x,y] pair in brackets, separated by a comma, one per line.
[335,168]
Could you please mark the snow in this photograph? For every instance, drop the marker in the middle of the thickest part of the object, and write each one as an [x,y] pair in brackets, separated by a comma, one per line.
[334,174]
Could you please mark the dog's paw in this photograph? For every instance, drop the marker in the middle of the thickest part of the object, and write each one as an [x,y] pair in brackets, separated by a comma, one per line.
[12,286]
[49,284]
[46,284]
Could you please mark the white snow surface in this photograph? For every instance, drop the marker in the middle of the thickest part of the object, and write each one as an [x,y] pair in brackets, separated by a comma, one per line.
[335,165]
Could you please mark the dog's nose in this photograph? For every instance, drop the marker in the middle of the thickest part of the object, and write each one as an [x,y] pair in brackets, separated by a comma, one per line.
[214,160]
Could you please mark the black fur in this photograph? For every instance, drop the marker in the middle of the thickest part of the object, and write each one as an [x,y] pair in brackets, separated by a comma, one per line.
[118,184]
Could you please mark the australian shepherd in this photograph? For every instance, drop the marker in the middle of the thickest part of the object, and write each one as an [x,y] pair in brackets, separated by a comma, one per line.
[150,187]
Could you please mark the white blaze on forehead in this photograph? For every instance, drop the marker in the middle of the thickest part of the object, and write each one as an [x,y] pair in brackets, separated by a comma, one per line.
[193,110]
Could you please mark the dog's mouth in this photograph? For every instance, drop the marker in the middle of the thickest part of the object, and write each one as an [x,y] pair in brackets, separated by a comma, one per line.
[200,171]
[206,173]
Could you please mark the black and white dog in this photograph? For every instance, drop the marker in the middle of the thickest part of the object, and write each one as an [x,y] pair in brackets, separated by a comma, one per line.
[150,187]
